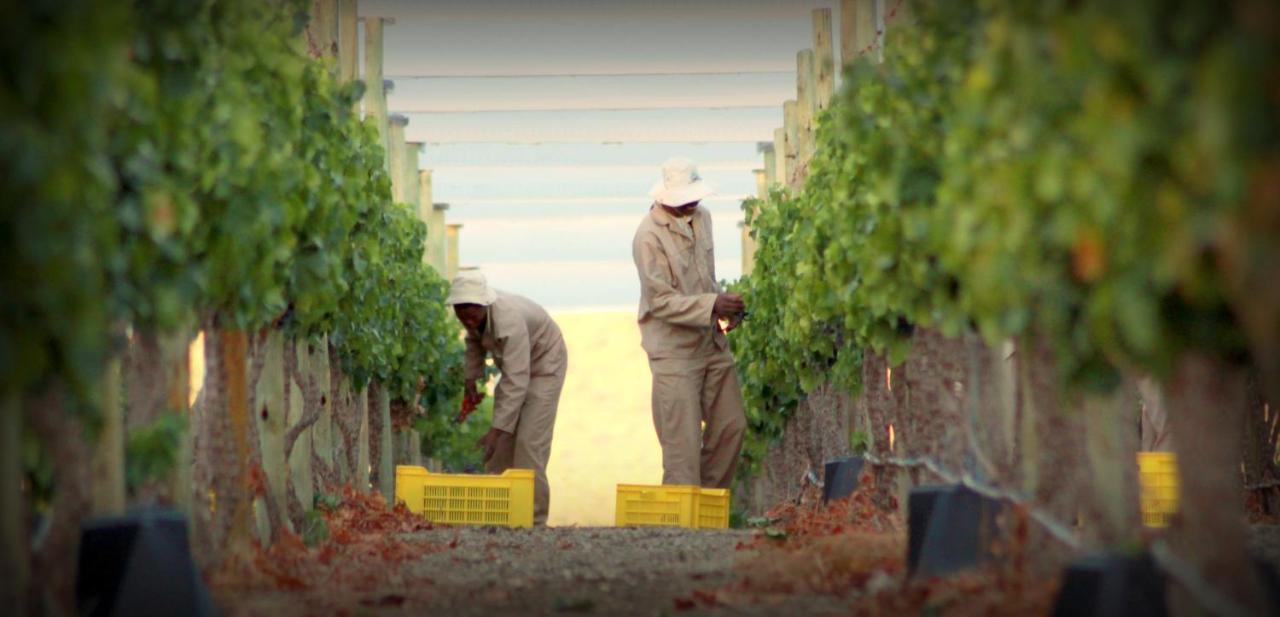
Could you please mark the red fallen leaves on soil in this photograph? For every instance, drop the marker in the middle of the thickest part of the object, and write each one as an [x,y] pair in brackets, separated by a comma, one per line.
[368,513]
[815,547]
[860,512]
[363,548]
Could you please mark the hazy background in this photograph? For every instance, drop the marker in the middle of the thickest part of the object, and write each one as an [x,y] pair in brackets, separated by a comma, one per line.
[545,124]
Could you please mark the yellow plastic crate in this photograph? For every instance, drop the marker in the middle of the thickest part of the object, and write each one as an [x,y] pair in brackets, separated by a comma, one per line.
[460,499]
[1158,487]
[642,505]
[713,508]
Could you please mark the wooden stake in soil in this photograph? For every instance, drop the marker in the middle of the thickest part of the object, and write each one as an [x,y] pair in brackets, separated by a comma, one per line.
[823,60]
[61,434]
[386,466]
[175,350]
[108,454]
[14,539]
[361,479]
[237,506]
[299,455]
[1206,406]
[272,421]
[316,366]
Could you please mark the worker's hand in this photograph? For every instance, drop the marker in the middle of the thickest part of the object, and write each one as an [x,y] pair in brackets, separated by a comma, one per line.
[490,441]
[728,304]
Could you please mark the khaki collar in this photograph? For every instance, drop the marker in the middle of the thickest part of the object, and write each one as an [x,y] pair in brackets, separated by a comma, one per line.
[662,217]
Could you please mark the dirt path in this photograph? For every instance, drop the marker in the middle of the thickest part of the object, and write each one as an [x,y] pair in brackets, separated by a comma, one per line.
[553,571]
[481,571]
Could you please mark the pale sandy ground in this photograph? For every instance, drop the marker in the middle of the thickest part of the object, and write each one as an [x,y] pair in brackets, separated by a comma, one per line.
[604,429]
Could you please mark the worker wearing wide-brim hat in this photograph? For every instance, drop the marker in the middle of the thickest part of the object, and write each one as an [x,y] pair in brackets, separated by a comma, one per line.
[697,401]
[527,347]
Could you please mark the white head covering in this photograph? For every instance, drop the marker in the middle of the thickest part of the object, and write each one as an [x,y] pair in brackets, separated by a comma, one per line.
[470,287]
[680,184]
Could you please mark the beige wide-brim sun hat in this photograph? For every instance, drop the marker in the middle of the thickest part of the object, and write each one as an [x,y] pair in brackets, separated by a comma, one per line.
[471,288]
[681,184]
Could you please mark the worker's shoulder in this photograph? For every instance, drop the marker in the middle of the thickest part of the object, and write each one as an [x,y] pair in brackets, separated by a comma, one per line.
[506,298]
[648,227]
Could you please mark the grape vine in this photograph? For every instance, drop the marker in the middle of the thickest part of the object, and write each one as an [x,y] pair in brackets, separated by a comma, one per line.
[1103,178]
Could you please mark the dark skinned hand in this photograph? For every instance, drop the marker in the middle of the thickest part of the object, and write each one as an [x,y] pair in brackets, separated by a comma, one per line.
[729,304]
[490,441]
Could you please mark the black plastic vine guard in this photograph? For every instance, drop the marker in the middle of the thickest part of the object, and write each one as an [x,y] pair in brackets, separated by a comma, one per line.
[949,529]
[1112,585]
[139,564]
[840,477]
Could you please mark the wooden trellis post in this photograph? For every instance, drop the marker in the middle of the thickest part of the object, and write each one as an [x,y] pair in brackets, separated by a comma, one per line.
[386,464]
[14,539]
[424,207]
[805,108]
[770,164]
[437,239]
[108,454]
[451,259]
[324,29]
[791,126]
[412,182]
[857,29]
[396,157]
[375,97]
[749,243]
[348,23]
[779,177]
[270,414]
[823,60]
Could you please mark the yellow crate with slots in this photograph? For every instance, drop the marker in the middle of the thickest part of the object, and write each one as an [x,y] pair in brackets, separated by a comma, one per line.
[1158,487]
[642,505]
[713,508]
[460,499]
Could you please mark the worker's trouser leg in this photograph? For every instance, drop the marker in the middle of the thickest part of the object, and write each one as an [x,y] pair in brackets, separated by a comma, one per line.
[686,394]
[531,446]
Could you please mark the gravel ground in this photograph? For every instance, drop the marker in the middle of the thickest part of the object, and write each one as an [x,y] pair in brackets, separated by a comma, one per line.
[564,571]
[549,571]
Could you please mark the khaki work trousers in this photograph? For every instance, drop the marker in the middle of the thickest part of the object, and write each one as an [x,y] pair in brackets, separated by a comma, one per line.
[530,447]
[698,414]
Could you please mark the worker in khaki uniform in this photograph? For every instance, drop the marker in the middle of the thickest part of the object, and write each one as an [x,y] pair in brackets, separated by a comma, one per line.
[527,347]
[697,402]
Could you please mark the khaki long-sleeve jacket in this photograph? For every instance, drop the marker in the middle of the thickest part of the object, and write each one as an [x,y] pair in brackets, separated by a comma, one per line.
[678,285]
[525,342]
